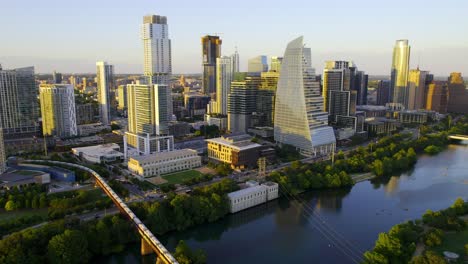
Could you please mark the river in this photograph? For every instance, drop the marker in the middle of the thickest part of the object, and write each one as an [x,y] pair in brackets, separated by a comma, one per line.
[286,232]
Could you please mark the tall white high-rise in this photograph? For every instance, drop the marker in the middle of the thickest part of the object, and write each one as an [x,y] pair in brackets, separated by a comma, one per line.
[223,83]
[157,49]
[19,111]
[58,110]
[105,83]
[299,117]
[399,73]
[147,118]
[235,61]
[2,153]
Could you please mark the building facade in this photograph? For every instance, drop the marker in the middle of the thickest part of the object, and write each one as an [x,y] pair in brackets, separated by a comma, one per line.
[235,62]
[237,150]
[105,84]
[19,111]
[122,97]
[416,89]
[299,117]
[223,83]
[399,73]
[100,153]
[85,114]
[148,123]
[163,163]
[211,50]
[242,103]
[157,66]
[258,64]
[383,92]
[58,110]
[437,97]
[254,194]
[458,94]
[275,64]
[2,153]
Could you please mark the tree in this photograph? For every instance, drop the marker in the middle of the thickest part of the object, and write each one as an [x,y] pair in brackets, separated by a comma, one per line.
[378,167]
[11,205]
[429,257]
[69,247]
[185,255]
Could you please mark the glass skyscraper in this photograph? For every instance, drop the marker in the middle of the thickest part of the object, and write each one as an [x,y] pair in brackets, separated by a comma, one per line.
[105,83]
[299,117]
[211,50]
[399,74]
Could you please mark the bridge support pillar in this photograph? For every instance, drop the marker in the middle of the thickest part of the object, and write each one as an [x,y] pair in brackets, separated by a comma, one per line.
[146,248]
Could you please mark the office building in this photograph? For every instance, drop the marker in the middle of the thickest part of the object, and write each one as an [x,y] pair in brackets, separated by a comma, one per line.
[164,163]
[437,97]
[299,117]
[105,83]
[195,104]
[223,83]
[242,103]
[19,111]
[157,64]
[211,50]
[2,153]
[258,64]
[341,84]
[458,94]
[416,89]
[122,97]
[238,150]
[57,77]
[147,119]
[399,73]
[235,62]
[383,92]
[275,64]
[253,194]
[85,114]
[361,81]
[58,110]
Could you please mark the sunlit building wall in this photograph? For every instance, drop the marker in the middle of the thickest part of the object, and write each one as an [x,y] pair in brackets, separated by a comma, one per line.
[105,82]
[157,49]
[58,110]
[399,72]
[437,97]
[223,83]
[458,94]
[416,89]
[258,64]
[211,50]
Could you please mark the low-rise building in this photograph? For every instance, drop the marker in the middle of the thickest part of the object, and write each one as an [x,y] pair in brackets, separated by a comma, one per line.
[412,117]
[235,149]
[164,162]
[380,126]
[179,129]
[263,132]
[21,178]
[254,194]
[91,129]
[372,110]
[56,173]
[100,153]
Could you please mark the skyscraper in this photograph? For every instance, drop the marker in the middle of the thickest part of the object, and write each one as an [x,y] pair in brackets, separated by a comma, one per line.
[147,118]
[57,77]
[437,97]
[275,64]
[399,73]
[416,89]
[235,61]
[361,81]
[299,117]
[383,92]
[2,153]
[157,49]
[223,83]
[242,103]
[211,50]
[105,83]
[458,94]
[58,110]
[258,64]
[122,97]
[19,111]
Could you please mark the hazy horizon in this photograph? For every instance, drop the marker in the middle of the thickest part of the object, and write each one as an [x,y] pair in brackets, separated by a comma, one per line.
[71,38]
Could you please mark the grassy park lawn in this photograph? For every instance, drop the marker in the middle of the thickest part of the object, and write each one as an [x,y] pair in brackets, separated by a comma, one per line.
[5,216]
[453,242]
[179,177]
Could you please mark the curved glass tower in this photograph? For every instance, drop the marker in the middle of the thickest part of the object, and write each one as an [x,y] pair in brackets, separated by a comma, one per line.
[400,70]
[299,117]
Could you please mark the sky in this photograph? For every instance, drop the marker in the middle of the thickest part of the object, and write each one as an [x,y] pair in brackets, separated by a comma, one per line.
[70,35]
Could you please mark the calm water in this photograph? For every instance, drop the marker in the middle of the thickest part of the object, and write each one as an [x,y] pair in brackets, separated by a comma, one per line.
[285,232]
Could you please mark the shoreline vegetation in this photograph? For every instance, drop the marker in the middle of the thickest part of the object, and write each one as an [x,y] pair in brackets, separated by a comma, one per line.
[52,244]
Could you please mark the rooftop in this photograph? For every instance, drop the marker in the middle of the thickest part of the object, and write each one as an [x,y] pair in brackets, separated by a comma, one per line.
[165,155]
[99,150]
[236,141]
[246,191]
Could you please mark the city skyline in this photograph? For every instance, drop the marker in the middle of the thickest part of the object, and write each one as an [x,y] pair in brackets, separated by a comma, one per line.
[439,48]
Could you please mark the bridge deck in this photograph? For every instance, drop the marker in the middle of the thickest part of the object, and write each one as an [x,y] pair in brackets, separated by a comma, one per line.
[157,246]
